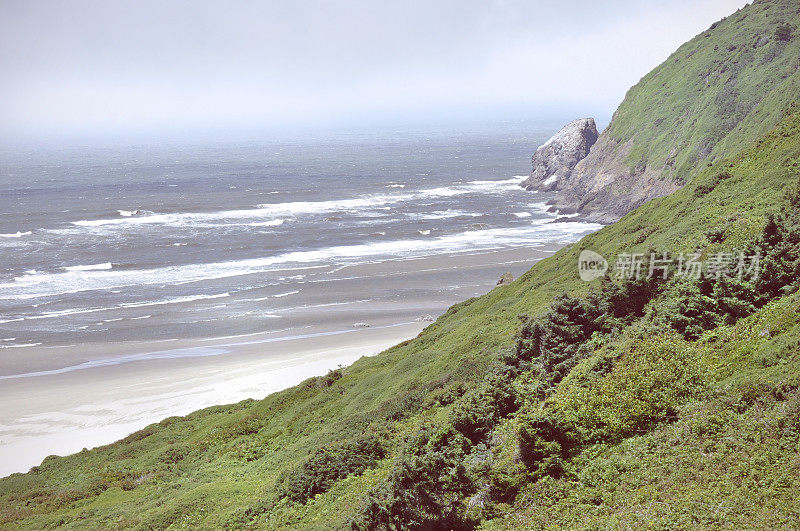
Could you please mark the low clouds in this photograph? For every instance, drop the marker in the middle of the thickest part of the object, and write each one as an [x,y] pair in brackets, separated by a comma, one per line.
[79,66]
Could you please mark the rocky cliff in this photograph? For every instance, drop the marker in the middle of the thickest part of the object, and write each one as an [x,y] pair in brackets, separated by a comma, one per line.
[554,161]
[603,188]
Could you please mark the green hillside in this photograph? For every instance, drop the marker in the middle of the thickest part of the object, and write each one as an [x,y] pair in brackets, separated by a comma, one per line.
[715,94]
[550,402]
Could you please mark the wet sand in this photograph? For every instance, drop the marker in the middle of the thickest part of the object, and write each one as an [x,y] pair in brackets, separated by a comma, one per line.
[63,413]
[58,400]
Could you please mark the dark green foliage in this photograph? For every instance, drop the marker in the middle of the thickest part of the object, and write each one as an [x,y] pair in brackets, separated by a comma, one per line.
[329,464]
[545,441]
[693,306]
[553,341]
[425,487]
[556,341]
[780,247]
[478,412]
[783,33]
[327,380]
[688,310]
[705,188]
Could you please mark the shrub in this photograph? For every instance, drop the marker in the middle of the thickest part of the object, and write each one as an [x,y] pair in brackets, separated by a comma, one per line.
[553,341]
[783,33]
[557,341]
[545,440]
[705,188]
[424,488]
[328,464]
[688,310]
[324,381]
[646,386]
[477,413]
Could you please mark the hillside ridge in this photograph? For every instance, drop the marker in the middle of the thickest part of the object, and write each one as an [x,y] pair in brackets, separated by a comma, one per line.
[712,96]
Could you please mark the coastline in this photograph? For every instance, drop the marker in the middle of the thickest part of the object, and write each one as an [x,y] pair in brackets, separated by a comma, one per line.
[61,399]
[65,412]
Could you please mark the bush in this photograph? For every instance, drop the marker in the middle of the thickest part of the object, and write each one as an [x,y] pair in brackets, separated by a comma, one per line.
[705,188]
[646,386]
[475,415]
[557,341]
[779,246]
[424,488]
[545,440]
[783,33]
[329,464]
[553,341]
[688,310]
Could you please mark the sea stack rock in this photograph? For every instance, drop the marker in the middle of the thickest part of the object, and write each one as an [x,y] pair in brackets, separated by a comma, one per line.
[554,161]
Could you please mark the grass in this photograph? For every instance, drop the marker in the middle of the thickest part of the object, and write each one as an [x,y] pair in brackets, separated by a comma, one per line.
[714,95]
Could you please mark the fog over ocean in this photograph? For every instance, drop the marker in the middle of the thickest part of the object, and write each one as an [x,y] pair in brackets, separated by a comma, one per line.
[228,239]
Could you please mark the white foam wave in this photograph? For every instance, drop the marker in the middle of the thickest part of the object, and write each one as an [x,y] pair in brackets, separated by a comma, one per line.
[279,295]
[15,234]
[522,214]
[20,345]
[270,213]
[442,214]
[271,223]
[127,305]
[540,208]
[538,231]
[90,267]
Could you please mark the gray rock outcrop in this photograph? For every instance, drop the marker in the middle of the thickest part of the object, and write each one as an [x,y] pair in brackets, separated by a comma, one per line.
[591,175]
[603,187]
[555,160]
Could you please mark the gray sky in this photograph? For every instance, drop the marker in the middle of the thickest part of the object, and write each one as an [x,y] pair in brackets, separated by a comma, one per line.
[94,66]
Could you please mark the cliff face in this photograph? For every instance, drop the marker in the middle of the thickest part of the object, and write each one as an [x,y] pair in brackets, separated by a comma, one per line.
[554,161]
[713,96]
[603,188]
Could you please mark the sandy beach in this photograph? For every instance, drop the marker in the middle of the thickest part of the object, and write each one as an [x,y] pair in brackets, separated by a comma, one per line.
[65,412]
[59,400]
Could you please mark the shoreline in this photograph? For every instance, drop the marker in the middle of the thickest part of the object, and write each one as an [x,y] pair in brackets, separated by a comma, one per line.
[195,351]
[60,414]
[63,398]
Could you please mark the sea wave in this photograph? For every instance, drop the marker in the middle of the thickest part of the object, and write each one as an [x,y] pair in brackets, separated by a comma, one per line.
[16,234]
[442,214]
[19,345]
[536,232]
[90,267]
[272,212]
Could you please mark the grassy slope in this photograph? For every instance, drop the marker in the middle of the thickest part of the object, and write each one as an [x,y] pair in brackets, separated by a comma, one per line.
[221,465]
[721,90]
[727,461]
[214,466]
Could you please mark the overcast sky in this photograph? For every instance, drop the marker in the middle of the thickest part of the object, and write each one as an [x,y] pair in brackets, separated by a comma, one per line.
[93,66]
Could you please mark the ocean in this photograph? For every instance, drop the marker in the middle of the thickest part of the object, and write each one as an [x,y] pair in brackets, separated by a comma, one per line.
[293,236]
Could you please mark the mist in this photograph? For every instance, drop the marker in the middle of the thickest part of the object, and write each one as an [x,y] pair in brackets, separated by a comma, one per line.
[176,68]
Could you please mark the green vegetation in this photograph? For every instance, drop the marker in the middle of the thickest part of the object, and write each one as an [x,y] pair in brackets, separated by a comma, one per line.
[546,403]
[715,94]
